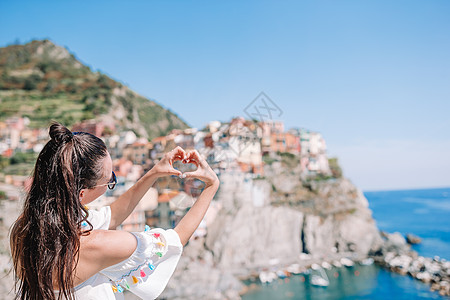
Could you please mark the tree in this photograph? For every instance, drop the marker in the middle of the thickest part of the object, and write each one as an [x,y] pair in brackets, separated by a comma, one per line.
[31,82]
[18,158]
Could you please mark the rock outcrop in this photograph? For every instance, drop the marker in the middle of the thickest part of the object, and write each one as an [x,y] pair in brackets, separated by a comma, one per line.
[254,230]
[397,256]
[413,239]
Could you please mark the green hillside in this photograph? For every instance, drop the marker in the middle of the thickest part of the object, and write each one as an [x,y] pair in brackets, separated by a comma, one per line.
[45,82]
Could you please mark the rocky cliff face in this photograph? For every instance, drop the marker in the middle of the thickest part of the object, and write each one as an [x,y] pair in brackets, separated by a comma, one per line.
[340,220]
[255,229]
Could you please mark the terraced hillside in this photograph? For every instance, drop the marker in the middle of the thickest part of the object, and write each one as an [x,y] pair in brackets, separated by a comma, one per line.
[45,82]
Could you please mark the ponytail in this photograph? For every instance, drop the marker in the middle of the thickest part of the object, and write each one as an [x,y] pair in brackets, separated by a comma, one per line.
[45,240]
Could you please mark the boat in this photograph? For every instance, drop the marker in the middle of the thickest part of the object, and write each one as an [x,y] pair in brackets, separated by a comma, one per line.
[347,262]
[326,265]
[320,280]
[267,277]
[294,269]
[367,261]
[281,274]
[337,264]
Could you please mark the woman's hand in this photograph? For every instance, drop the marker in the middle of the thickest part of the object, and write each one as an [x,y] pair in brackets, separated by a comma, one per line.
[124,205]
[165,166]
[203,172]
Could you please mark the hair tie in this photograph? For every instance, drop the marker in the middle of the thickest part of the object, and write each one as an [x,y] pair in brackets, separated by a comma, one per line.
[66,137]
[60,134]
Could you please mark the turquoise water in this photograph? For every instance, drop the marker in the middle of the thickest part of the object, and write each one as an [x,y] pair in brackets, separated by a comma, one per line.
[425,213]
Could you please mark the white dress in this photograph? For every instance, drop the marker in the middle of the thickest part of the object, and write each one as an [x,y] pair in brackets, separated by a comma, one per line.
[145,273]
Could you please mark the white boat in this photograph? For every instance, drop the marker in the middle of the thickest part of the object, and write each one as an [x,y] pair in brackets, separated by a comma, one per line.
[347,262]
[367,261]
[337,264]
[267,277]
[320,280]
[294,269]
[326,265]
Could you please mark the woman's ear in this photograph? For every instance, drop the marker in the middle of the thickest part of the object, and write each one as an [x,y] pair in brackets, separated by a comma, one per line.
[81,195]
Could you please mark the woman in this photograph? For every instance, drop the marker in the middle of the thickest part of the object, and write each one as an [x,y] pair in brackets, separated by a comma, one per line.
[62,250]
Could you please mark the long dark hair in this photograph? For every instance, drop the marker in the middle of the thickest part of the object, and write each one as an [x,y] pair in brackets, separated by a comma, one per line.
[45,239]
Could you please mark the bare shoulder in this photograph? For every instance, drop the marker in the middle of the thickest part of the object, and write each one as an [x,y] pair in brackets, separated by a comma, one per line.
[104,248]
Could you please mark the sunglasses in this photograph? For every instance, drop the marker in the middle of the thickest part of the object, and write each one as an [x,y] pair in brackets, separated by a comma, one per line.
[112,182]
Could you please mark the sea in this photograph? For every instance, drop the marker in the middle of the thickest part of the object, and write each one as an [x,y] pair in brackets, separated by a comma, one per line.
[422,212]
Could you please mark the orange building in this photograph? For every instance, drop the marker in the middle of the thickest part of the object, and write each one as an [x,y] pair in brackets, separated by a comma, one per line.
[284,142]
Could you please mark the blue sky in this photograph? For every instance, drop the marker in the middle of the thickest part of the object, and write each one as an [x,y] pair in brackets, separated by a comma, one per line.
[372,76]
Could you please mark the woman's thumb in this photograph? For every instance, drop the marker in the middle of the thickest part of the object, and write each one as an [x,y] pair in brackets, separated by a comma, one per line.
[189,174]
[174,172]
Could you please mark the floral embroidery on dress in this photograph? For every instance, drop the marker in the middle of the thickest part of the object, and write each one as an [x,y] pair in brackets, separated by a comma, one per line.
[144,269]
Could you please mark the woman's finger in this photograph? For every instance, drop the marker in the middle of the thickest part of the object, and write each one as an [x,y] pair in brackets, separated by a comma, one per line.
[200,159]
[177,154]
[173,171]
[190,158]
[193,174]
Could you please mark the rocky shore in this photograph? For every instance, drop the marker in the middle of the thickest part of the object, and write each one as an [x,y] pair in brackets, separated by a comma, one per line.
[397,256]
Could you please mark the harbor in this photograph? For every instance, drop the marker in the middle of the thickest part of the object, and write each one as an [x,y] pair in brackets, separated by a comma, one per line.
[358,282]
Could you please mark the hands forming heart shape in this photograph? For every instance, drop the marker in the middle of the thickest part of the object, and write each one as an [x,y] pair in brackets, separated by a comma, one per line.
[203,172]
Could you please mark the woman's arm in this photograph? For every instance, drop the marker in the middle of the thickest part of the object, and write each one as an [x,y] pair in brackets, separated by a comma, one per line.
[125,204]
[100,249]
[189,223]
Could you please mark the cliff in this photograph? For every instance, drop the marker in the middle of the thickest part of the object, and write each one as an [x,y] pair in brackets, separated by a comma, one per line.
[255,230]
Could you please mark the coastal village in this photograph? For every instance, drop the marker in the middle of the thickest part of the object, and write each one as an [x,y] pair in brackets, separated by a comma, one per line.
[239,144]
